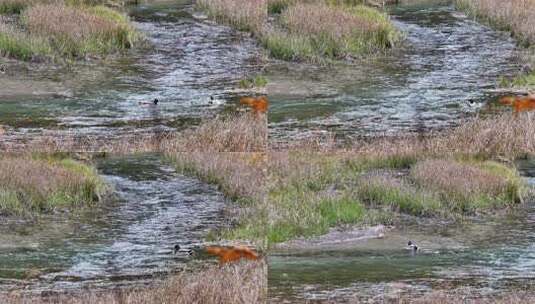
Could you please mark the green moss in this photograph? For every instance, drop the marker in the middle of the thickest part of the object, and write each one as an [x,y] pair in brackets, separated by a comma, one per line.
[258,81]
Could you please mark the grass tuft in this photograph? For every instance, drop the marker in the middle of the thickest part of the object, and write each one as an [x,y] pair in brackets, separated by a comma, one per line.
[20,45]
[35,185]
[311,31]
[469,187]
[258,81]
[80,31]
[245,15]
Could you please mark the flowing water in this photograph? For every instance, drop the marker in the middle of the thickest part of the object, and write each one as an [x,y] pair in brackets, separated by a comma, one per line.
[444,72]
[124,241]
[473,258]
[189,60]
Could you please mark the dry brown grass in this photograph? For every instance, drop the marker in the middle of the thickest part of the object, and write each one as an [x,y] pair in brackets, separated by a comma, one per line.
[499,137]
[76,30]
[240,132]
[36,185]
[322,19]
[247,15]
[57,19]
[453,177]
[518,16]
[239,175]
[237,283]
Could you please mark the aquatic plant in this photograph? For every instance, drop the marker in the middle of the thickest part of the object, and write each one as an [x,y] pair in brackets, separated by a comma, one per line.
[501,136]
[35,185]
[258,81]
[382,190]
[277,6]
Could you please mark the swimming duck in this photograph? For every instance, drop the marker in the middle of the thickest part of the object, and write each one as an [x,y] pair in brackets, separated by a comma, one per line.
[474,104]
[412,246]
[178,249]
[154,102]
[2,69]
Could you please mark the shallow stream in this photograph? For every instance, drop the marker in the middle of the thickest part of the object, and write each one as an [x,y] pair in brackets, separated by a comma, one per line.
[126,240]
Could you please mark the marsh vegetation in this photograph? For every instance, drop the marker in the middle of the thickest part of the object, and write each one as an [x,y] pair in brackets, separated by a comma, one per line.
[308,31]
[30,185]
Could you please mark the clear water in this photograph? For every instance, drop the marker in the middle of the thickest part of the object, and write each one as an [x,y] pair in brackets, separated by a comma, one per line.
[476,257]
[124,241]
[446,60]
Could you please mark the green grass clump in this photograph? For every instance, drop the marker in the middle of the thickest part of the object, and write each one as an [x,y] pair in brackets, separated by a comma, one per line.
[244,15]
[75,32]
[284,46]
[305,214]
[385,191]
[13,6]
[258,81]
[469,187]
[60,31]
[330,31]
[31,186]
[277,6]
[19,45]
[308,31]
[395,161]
